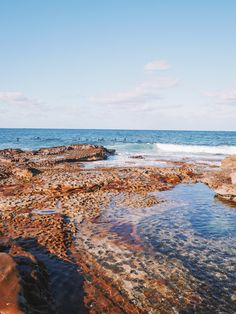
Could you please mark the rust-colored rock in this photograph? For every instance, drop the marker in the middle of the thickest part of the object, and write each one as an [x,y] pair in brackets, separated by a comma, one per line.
[10,286]
[49,205]
[24,286]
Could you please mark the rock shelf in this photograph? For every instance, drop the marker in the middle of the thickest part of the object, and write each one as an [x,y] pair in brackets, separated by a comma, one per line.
[55,237]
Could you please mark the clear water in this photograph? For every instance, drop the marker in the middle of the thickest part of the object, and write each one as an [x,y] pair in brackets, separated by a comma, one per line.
[200,145]
[200,231]
[192,227]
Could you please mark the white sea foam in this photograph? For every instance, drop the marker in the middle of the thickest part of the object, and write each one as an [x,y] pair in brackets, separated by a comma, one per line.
[157,154]
[196,149]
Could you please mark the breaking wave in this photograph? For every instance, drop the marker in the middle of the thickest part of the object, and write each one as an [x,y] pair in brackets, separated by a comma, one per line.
[196,149]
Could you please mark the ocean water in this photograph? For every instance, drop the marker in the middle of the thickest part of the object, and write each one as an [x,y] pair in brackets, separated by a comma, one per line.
[205,146]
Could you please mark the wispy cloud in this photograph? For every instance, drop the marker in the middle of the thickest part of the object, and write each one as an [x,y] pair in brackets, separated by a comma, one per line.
[224,96]
[157,65]
[146,92]
[19,99]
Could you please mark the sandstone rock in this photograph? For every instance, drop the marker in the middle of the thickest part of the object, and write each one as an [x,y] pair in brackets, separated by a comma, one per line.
[227,192]
[4,172]
[24,173]
[229,163]
[43,216]
[77,152]
[10,287]
[223,182]
[233,177]
[9,152]
[23,283]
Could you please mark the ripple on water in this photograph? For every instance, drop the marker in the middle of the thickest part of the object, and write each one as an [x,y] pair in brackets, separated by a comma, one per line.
[193,227]
[199,230]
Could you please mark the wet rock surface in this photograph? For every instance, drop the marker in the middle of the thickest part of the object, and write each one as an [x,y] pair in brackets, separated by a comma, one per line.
[73,231]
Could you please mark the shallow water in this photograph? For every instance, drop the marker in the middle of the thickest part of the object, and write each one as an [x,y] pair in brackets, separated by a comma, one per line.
[199,230]
[193,227]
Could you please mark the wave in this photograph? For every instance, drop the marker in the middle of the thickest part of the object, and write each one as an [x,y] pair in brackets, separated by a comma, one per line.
[196,149]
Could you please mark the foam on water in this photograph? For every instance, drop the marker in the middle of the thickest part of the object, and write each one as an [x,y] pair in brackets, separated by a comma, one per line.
[196,149]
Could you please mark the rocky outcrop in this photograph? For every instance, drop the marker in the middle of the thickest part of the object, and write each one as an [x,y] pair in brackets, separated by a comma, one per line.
[223,182]
[49,207]
[23,165]
[76,152]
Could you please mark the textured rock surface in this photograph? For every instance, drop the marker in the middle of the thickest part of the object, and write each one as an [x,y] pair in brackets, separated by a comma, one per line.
[10,286]
[23,283]
[223,182]
[229,163]
[49,207]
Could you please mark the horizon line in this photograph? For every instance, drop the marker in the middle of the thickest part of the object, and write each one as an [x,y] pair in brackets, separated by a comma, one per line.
[111,129]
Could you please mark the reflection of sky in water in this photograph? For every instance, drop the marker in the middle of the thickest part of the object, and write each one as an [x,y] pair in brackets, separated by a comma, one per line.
[213,225]
[195,204]
[213,220]
[201,232]
[193,227]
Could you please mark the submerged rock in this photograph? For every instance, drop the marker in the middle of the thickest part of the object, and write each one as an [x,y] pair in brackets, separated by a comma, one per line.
[137,157]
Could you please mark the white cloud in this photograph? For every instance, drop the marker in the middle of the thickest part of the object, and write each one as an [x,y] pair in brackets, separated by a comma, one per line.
[157,65]
[19,99]
[224,96]
[146,92]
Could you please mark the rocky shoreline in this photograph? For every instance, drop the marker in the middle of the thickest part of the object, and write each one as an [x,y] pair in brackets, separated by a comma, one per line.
[60,251]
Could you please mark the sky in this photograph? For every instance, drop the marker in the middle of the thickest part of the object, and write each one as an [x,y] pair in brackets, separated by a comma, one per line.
[118,64]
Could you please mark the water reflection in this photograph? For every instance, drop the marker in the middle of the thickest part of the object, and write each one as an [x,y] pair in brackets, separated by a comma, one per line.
[200,231]
[191,227]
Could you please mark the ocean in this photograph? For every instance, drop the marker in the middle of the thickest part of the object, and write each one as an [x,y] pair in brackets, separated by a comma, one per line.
[154,146]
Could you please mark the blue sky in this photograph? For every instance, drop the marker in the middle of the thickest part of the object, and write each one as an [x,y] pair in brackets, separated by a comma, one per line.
[132,64]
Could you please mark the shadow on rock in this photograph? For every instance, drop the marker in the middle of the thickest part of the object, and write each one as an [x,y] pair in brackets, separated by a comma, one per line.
[36,281]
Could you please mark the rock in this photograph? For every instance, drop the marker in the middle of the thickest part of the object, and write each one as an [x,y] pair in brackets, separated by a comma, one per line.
[4,172]
[9,152]
[22,173]
[23,284]
[10,287]
[223,182]
[229,163]
[77,152]
[233,177]
[50,221]
[137,157]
